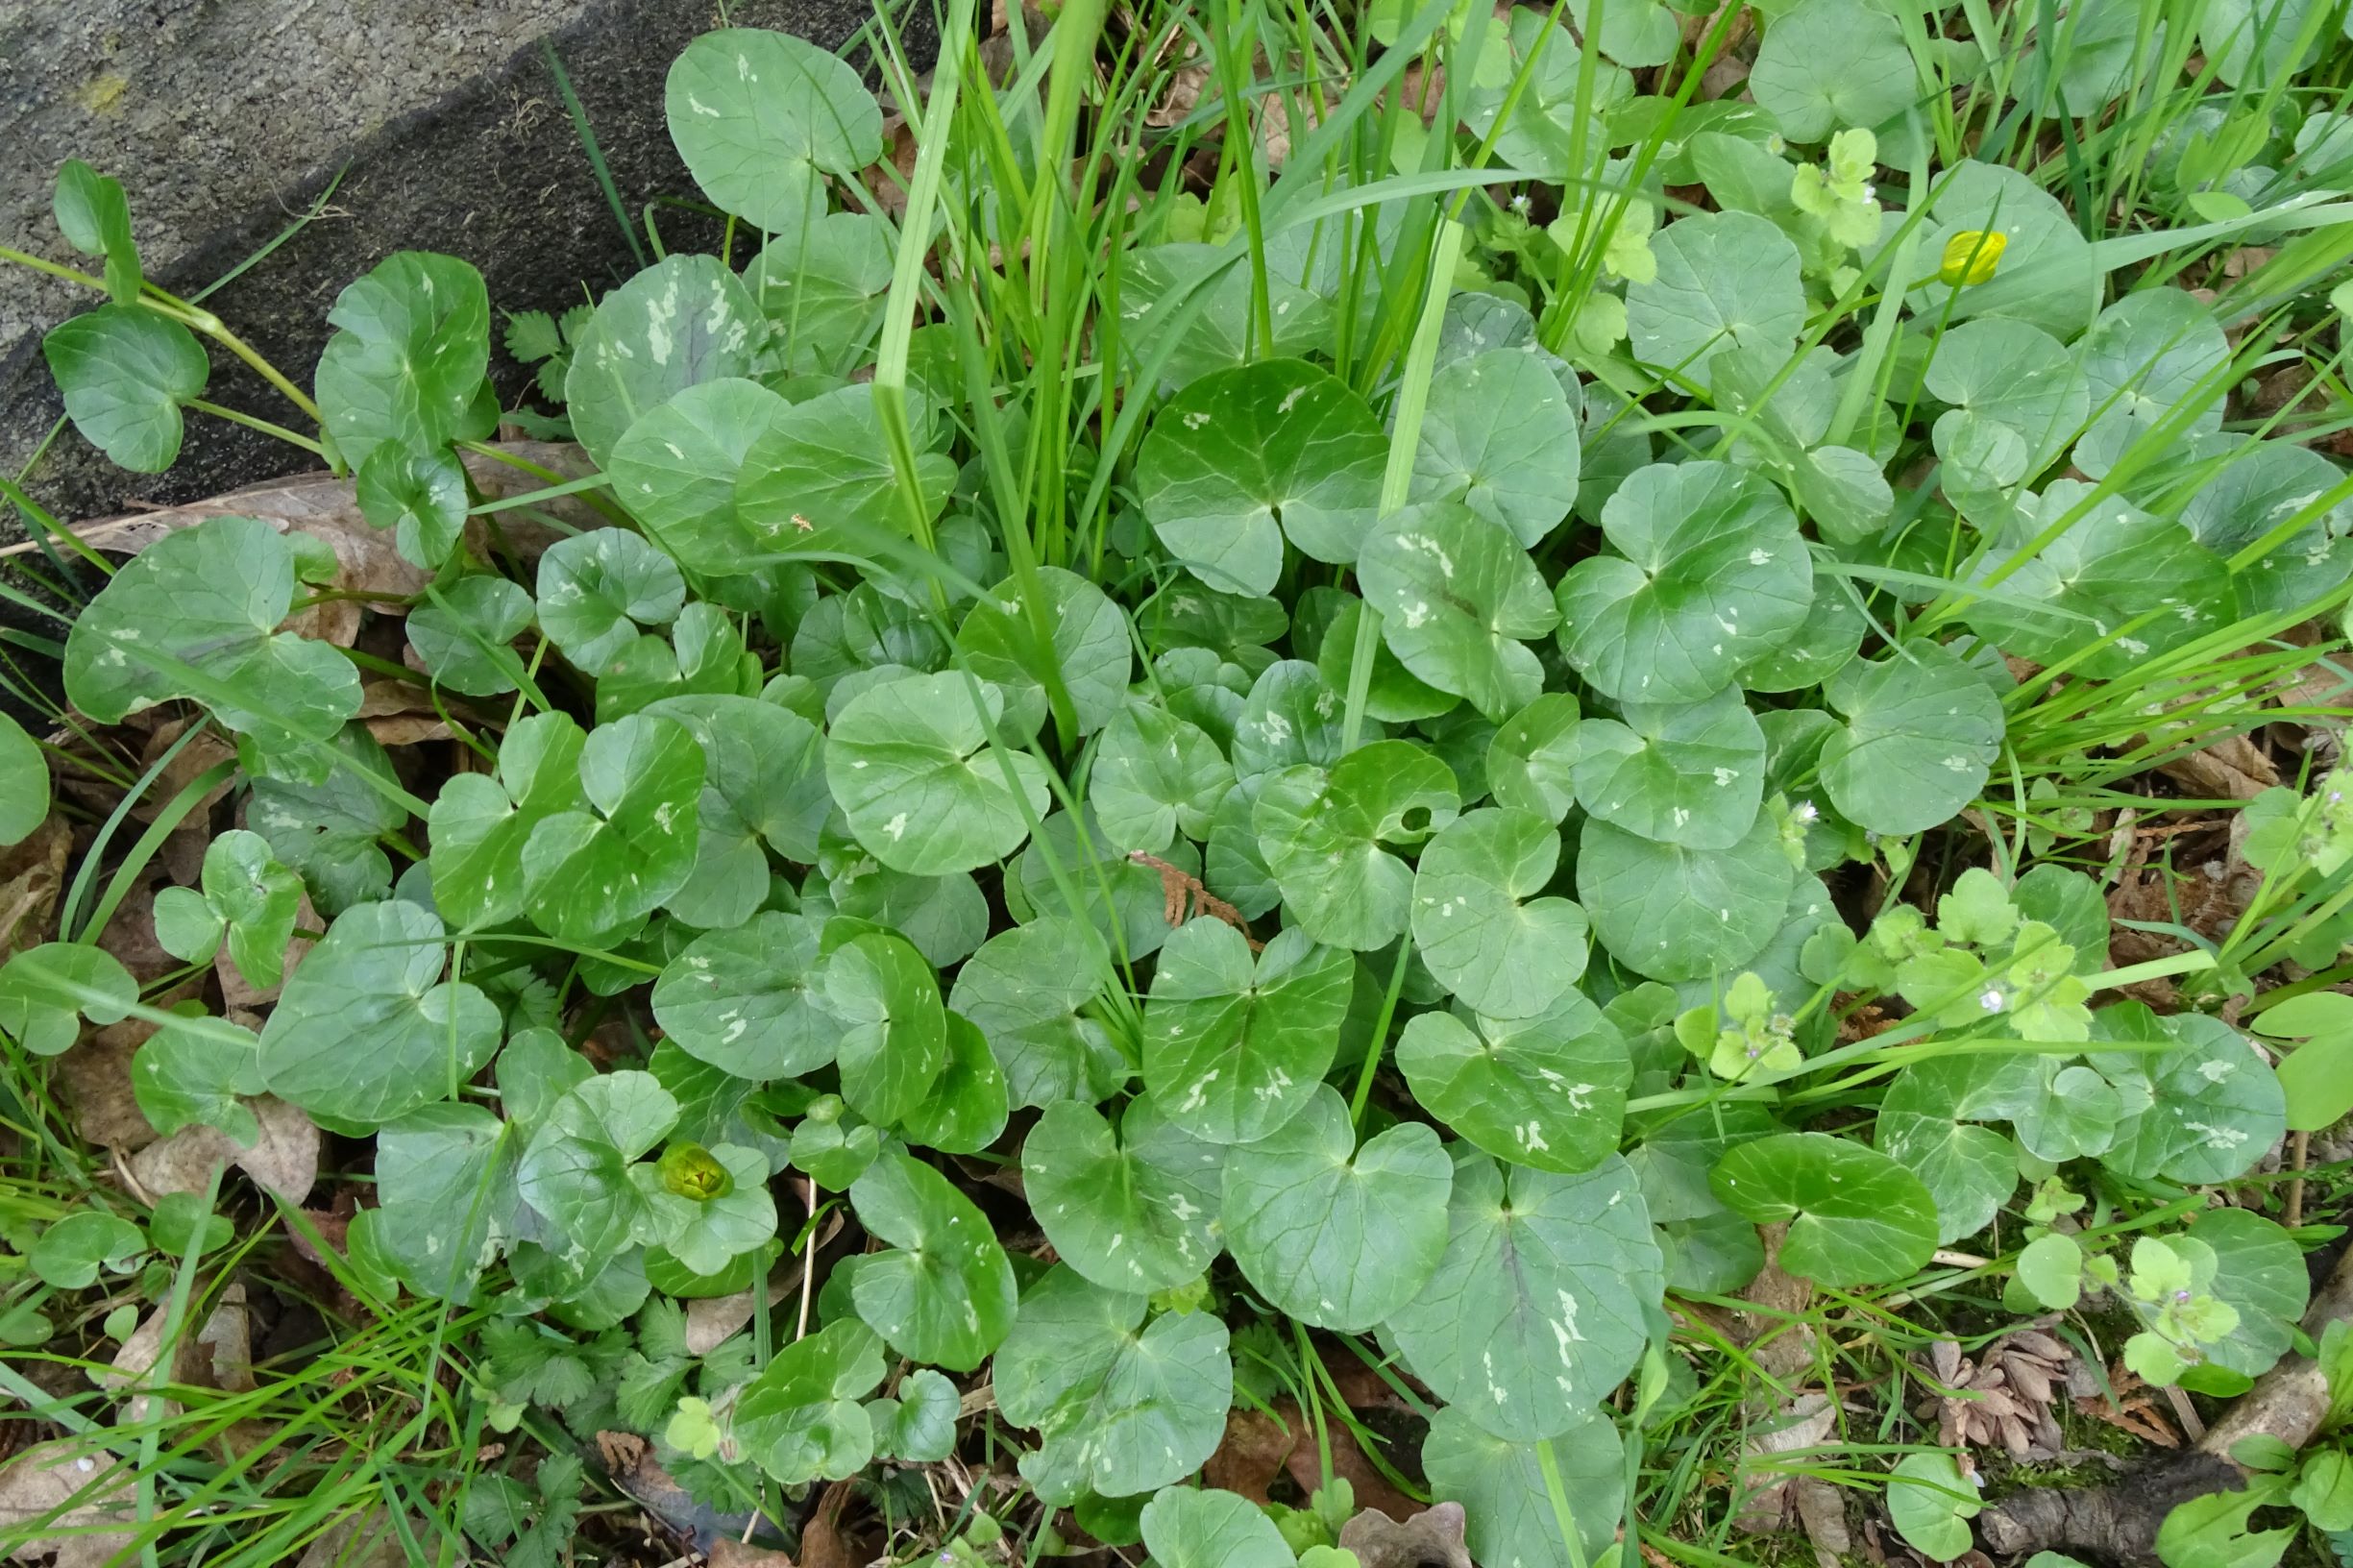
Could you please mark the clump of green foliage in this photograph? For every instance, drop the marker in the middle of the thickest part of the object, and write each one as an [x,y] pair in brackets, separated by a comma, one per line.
[1317,714]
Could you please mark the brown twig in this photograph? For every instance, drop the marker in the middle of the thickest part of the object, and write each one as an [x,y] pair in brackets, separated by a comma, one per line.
[2296,1152]
[1185,897]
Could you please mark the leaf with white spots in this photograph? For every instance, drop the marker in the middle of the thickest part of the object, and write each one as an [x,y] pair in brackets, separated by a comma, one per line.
[1532,760]
[1135,1209]
[750,1000]
[944,1293]
[1547,1091]
[575,1171]
[2145,355]
[480,824]
[2114,564]
[1153,775]
[1291,715]
[1500,435]
[196,615]
[675,467]
[1026,989]
[909,762]
[1919,739]
[761,117]
[966,1107]
[1854,1215]
[1536,1310]
[411,343]
[1234,1044]
[591,871]
[763,788]
[2213,1106]
[1711,575]
[1722,278]
[1460,600]
[1673,913]
[1121,1405]
[819,480]
[2260,1270]
[1244,459]
[597,588]
[367,1029]
[1481,922]
[1322,836]
[893,1042]
[1686,774]
[1502,1489]
[1330,1233]
[2015,401]
[682,321]
[2258,491]
[1086,645]
[800,1419]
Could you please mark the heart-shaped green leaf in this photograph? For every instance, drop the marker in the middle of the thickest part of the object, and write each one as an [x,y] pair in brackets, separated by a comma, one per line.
[1458,601]
[1244,459]
[1480,923]
[1330,1233]
[1673,913]
[1154,774]
[1688,773]
[1503,1493]
[800,1419]
[196,615]
[1723,280]
[1855,1216]
[591,871]
[749,1000]
[1233,1046]
[1833,62]
[406,364]
[463,637]
[366,1029]
[925,792]
[1086,650]
[1547,1091]
[1025,989]
[597,588]
[1500,435]
[1133,1210]
[944,1293]
[1532,760]
[1121,1405]
[44,991]
[125,372]
[1322,835]
[1187,1527]
[684,321]
[760,117]
[1919,739]
[675,469]
[1536,1310]
[893,1037]
[1713,576]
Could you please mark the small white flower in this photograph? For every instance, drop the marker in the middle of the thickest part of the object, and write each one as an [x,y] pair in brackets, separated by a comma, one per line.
[1805,812]
[1993,1000]
[1519,202]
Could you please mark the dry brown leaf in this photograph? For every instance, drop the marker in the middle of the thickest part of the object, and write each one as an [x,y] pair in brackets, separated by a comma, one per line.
[96,1079]
[1431,1538]
[63,1483]
[1821,1508]
[1258,1448]
[1804,1423]
[711,1320]
[130,935]
[2230,769]
[822,1541]
[31,875]
[285,1161]
[238,995]
[725,1553]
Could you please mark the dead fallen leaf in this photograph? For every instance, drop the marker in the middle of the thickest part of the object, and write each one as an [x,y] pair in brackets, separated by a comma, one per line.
[285,1161]
[31,875]
[2230,769]
[1821,1508]
[1804,1423]
[238,994]
[711,1320]
[735,1555]
[1258,1447]
[2002,1396]
[1431,1538]
[63,1483]
[95,1076]
[821,1542]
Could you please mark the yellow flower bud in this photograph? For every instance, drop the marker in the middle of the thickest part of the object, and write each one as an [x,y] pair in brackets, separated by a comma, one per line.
[1972,255]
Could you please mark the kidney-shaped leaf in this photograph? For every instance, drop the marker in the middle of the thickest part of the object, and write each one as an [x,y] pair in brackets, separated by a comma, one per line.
[1548,1091]
[749,1000]
[1688,773]
[590,872]
[366,1030]
[125,372]
[1673,913]
[925,792]
[760,117]
[799,1420]
[1536,1310]
[1711,576]
[684,320]
[1921,735]
[1855,1216]
[195,615]
[1459,600]
[1722,278]
[1234,1044]
[1500,434]
[411,343]
[1330,1233]
[1131,1211]
[1121,1405]
[945,1292]
[1479,921]
[1188,1527]
[1244,458]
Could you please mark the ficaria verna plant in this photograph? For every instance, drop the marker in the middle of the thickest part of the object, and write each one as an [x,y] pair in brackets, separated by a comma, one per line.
[1399,683]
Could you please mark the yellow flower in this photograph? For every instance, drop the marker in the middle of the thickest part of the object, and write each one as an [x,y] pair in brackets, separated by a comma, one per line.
[1972,255]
